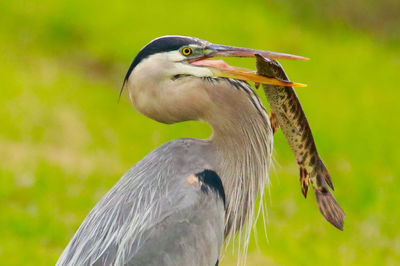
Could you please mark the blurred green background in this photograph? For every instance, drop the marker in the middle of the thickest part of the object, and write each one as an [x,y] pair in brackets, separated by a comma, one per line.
[65,140]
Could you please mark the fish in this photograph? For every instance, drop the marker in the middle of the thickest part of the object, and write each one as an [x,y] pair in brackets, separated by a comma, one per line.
[288,114]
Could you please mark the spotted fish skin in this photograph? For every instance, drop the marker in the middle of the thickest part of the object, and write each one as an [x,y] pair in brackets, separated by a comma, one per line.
[287,113]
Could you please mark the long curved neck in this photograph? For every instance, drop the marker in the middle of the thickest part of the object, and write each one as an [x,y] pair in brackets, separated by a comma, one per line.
[242,141]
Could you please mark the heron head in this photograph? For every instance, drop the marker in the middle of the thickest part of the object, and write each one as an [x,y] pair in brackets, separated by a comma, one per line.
[166,79]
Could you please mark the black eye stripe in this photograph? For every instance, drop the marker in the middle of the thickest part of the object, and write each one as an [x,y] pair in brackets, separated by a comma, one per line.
[162,44]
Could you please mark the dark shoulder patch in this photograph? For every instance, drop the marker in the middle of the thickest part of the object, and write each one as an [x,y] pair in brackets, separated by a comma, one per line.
[211,180]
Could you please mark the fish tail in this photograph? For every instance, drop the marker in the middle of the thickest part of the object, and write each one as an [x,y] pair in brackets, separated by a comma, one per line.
[329,208]
[323,171]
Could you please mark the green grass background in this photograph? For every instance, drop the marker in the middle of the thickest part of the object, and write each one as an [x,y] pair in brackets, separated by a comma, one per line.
[65,140]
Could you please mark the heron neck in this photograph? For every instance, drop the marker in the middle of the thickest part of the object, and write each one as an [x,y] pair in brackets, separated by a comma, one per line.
[242,140]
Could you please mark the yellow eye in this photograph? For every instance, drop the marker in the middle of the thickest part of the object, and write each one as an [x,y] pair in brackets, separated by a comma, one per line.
[186,51]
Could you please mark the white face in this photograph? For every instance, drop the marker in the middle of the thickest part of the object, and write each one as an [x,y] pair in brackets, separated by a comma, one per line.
[157,92]
[173,63]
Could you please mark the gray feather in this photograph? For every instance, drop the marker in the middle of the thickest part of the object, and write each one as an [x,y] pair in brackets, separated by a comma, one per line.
[152,211]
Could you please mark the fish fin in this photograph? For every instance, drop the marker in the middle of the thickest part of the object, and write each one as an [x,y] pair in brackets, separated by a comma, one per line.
[329,208]
[303,180]
[274,122]
[325,174]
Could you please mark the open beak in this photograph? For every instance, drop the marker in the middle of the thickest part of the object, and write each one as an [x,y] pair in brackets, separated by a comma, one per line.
[221,69]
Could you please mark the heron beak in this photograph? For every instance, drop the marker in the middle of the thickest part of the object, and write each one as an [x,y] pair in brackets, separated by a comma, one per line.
[221,69]
[217,50]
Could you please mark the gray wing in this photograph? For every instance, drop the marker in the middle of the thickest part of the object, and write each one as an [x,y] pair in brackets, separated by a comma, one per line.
[167,210]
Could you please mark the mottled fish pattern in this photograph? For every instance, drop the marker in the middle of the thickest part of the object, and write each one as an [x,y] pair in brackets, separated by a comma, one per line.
[287,113]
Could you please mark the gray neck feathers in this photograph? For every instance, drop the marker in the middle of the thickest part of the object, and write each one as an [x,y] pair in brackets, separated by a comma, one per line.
[242,141]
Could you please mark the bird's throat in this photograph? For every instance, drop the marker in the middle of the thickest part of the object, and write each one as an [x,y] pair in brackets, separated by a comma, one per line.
[243,146]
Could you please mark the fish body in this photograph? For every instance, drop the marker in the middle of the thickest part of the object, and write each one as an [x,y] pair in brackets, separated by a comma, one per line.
[287,113]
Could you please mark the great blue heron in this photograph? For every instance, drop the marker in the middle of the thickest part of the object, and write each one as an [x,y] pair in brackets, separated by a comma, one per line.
[170,208]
